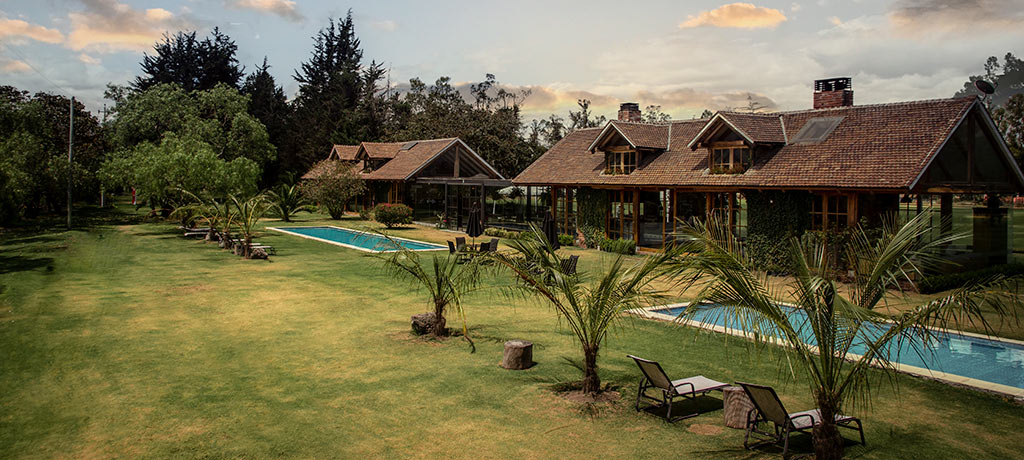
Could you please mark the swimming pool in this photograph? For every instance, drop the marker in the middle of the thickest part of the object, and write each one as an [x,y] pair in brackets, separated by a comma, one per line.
[354,239]
[996,365]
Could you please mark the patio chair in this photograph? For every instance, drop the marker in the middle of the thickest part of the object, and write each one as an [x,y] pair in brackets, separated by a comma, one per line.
[451,247]
[768,408]
[569,265]
[655,377]
[460,243]
[492,246]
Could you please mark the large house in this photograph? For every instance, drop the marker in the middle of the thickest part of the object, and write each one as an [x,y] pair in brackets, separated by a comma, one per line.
[434,176]
[839,162]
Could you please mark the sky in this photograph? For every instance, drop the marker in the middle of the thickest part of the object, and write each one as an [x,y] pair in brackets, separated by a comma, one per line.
[685,56]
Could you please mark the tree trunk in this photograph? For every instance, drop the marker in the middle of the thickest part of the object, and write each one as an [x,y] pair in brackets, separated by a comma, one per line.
[439,322]
[247,247]
[591,382]
[828,443]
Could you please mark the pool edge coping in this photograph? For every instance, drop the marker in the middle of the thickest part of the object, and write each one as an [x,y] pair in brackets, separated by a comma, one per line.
[952,379]
[349,246]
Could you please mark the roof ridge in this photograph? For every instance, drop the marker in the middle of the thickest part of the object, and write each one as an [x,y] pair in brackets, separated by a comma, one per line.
[644,123]
[412,140]
[883,104]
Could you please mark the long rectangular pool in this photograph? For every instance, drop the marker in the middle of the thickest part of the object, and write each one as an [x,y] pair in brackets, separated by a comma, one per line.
[977,358]
[355,239]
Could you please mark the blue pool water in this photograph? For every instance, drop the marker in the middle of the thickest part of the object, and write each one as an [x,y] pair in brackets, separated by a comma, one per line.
[973,357]
[362,241]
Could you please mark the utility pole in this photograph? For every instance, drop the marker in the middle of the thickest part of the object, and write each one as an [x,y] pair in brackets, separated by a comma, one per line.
[71,140]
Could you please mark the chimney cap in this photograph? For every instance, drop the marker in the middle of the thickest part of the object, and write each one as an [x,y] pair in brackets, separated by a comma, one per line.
[629,106]
[833,84]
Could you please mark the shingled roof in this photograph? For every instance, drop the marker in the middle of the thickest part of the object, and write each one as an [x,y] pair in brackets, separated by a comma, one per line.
[881,147]
[639,135]
[344,152]
[404,163]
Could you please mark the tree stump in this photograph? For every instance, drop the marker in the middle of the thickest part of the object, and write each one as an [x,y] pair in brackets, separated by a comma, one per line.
[518,355]
[736,406]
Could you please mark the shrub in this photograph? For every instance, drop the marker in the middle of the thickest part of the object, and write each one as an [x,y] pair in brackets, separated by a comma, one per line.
[619,246]
[392,215]
[938,283]
[565,240]
[502,233]
[366,213]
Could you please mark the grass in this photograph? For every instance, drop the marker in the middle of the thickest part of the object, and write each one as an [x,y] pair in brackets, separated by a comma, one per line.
[126,341]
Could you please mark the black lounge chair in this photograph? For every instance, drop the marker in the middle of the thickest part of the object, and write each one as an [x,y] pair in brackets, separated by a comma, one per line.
[768,408]
[655,377]
[569,265]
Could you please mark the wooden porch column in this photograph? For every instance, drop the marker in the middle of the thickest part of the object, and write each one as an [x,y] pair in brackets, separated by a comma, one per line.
[946,213]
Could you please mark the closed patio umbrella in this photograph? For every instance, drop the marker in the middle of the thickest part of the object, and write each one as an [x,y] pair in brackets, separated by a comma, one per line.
[550,230]
[475,226]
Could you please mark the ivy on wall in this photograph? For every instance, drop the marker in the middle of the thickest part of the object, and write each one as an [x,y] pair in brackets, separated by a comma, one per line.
[773,217]
[591,209]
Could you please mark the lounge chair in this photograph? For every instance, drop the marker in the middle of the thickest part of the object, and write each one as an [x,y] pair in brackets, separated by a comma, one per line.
[655,377]
[492,246]
[460,244]
[768,408]
[569,265]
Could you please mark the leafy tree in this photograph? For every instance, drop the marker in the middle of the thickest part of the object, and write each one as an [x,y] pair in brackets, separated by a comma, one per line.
[167,138]
[492,123]
[840,317]
[1008,83]
[192,64]
[445,279]
[335,186]
[267,102]
[589,309]
[707,114]
[1010,119]
[286,200]
[34,145]
[653,114]
[583,118]
[179,162]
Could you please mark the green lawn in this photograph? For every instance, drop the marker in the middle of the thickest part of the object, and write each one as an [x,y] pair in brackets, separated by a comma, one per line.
[127,341]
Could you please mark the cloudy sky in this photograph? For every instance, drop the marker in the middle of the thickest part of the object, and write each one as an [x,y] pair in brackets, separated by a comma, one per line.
[684,56]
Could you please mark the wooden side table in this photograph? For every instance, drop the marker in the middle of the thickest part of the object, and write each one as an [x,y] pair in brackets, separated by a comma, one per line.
[736,406]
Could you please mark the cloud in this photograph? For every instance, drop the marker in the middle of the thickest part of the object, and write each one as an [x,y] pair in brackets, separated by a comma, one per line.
[108,26]
[835,21]
[930,18]
[795,7]
[10,66]
[86,59]
[16,28]
[286,9]
[386,24]
[736,15]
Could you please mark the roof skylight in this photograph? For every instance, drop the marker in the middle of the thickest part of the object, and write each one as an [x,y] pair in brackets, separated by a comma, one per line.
[816,130]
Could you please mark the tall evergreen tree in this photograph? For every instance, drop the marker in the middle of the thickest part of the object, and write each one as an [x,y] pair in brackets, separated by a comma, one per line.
[330,87]
[191,63]
[269,105]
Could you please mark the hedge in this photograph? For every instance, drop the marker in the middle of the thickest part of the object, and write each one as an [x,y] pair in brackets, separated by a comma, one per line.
[938,283]
[392,215]
[619,246]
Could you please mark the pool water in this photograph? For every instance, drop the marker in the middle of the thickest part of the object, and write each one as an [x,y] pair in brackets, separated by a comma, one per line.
[354,239]
[967,356]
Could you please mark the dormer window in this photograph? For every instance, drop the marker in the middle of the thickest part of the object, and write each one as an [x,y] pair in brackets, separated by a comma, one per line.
[729,158]
[619,161]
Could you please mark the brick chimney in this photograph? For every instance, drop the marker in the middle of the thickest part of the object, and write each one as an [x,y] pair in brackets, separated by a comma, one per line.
[629,111]
[833,92]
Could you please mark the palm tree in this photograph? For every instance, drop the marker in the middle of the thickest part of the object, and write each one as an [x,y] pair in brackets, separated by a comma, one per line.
[839,317]
[247,214]
[446,279]
[287,200]
[205,208]
[590,310]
